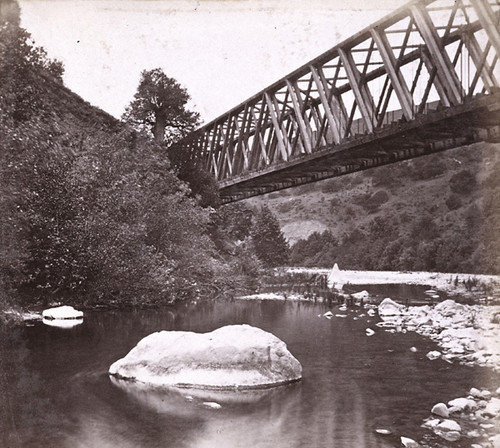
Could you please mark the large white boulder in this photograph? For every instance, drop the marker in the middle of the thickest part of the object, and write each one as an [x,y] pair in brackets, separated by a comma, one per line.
[62,312]
[235,356]
[389,307]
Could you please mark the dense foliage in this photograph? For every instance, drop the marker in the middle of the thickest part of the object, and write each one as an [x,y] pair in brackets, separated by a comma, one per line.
[428,214]
[159,107]
[91,210]
[268,240]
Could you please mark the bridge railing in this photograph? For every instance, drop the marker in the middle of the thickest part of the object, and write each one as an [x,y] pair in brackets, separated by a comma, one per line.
[425,56]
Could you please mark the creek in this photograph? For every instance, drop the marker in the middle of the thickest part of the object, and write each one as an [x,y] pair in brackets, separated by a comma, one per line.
[55,390]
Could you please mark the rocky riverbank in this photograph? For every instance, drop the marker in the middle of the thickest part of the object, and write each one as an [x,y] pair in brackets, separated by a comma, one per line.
[470,286]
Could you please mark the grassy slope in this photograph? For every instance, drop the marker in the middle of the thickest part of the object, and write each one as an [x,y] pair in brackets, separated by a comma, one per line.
[414,188]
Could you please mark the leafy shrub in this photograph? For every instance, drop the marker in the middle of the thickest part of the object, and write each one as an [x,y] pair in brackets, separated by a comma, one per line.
[453,202]
[463,183]
[372,202]
[331,185]
[428,167]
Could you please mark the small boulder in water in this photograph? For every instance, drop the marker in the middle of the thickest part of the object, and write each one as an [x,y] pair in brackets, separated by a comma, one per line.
[363,295]
[433,355]
[62,312]
[409,443]
[440,409]
[212,405]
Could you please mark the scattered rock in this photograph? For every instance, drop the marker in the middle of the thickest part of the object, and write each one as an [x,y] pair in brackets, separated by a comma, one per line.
[495,441]
[414,349]
[384,432]
[433,355]
[328,314]
[363,295]
[473,434]
[369,332]
[450,436]
[441,410]
[449,308]
[212,404]
[460,404]
[409,443]
[475,392]
[486,394]
[389,307]
[492,409]
[371,312]
[235,356]
[431,423]
[449,425]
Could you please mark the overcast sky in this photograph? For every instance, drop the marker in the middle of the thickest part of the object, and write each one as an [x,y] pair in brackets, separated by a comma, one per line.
[222,51]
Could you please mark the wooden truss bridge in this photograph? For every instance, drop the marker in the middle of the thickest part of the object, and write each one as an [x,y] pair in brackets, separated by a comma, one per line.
[423,79]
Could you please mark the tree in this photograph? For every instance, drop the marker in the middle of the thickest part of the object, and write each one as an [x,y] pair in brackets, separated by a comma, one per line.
[159,106]
[269,242]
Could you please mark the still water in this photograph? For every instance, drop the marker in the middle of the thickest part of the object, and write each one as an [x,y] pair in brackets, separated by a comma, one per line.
[55,391]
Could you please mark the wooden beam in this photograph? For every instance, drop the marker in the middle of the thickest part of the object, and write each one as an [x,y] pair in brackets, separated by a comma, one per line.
[277,128]
[360,90]
[487,18]
[395,75]
[479,58]
[304,129]
[333,119]
[445,70]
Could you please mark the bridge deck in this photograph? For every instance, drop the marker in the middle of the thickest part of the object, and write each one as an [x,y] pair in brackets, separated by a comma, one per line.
[423,79]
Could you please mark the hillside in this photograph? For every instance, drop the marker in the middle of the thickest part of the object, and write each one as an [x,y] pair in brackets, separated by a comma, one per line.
[442,207]
[92,212]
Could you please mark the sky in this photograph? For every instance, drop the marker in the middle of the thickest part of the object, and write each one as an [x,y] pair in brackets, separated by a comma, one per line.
[221,51]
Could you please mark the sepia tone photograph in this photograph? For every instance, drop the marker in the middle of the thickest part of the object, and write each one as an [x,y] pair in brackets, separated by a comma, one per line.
[250,223]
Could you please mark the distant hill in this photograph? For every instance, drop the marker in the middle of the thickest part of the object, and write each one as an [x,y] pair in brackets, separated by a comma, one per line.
[438,212]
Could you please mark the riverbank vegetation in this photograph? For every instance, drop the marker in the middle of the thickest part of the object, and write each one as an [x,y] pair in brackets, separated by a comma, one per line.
[92,209]
[435,213]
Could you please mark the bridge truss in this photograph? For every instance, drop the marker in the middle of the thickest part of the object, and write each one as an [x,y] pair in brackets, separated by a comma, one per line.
[423,79]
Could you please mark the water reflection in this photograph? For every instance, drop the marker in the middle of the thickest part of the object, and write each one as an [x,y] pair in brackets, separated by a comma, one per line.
[55,390]
[172,400]
[62,323]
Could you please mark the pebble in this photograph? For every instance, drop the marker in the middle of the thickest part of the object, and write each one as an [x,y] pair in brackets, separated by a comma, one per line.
[409,443]
[414,349]
[212,404]
[384,432]
[441,410]
[449,425]
[433,355]
[369,332]
[450,436]
[460,404]
[432,423]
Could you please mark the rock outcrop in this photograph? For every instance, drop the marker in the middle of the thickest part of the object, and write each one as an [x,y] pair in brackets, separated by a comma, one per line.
[235,356]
